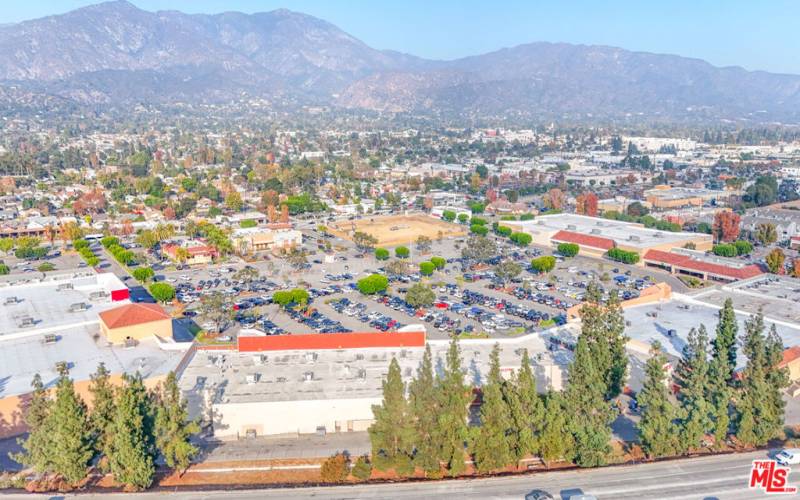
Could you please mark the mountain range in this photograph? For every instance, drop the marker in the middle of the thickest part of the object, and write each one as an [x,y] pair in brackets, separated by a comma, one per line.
[116,53]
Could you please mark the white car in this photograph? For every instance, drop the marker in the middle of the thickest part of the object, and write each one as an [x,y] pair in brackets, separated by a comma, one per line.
[788,456]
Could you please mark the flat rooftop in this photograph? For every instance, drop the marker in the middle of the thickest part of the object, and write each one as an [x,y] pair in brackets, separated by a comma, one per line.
[619,231]
[679,193]
[651,322]
[83,348]
[339,374]
[48,306]
[777,296]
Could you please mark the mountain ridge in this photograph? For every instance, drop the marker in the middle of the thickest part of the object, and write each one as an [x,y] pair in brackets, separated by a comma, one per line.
[114,52]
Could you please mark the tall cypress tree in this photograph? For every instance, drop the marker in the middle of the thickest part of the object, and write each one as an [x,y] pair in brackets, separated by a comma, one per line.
[692,374]
[777,378]
[556,441]
[425,410]
[36,448]
[526,410]
[725,341]
[173,429]
[615,336]
[71,440]
[590,415]
[392,434]
[103,409]
[657,430]
[132,448]
[454,397]
[492,447]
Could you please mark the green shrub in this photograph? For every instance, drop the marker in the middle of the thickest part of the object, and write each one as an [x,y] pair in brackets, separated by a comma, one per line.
[4,269]
[45,267]
[448,215]
[80,244]
[109,241]
[439,262]
[743,247]
[362,470]
[568,249]
[426,268]
[162,292]
[508,217]
[143,274]
[623,256]
[463,218]
[402,252]
[478,220]
[293,296]
[526,217]
[381,254]
[724,250]
[504,231]
[248,223]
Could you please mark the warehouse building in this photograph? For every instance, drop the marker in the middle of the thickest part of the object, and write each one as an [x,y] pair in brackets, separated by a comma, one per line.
[596,235]
[701,265]
[320,383]
[665,197]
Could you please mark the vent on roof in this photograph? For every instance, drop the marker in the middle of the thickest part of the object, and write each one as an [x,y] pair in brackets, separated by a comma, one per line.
[50,338]
[633,237]
[595,231]
[308,376]
[659,235]
[281,380]
[571,227]
[362,374]
[599,223]
[64,286]
[311,357]
[25,321]
[252,378]
[11,300]
[79,307]
[259,359]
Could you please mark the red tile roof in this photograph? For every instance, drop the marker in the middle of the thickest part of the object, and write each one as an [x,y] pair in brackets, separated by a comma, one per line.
[583,239]
[132,314]
[789,355]
[687,262]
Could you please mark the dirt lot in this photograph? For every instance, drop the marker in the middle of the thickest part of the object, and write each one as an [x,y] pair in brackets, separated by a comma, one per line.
[395,230]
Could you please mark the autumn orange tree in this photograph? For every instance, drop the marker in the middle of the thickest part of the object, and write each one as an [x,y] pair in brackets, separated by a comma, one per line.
[726,226]
[554,199]
[586,204]
[775,260]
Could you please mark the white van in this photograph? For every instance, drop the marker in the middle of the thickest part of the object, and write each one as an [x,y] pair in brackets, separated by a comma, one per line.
[788,456]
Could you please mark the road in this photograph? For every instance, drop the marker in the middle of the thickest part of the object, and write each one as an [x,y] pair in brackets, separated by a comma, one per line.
[720,477]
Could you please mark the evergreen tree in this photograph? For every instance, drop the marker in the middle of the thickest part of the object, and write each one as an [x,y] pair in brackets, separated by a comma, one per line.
[36,448]
[692,375]
[657,430]
[453,396]
[492,448]
[720,398]
[615,336]
[589,413]
[173,429]
[725,342]
[603,326]
[132,447]
[424,410]
[556,441]
[70,441]
[759,403]
[526,410]
[103,408]
[392,434]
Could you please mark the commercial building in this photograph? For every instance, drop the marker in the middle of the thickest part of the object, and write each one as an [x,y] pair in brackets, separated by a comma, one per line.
[190,252]
[300,384]
[270,238]
[596,235]
[700,265]
[666,197]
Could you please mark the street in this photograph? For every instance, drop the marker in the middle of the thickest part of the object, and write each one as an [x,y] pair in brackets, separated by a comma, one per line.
[719,477]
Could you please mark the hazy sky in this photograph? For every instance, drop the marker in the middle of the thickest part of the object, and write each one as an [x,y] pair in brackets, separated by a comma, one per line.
[754,34]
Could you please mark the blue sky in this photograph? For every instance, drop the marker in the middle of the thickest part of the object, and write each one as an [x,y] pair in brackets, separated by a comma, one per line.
[754,34]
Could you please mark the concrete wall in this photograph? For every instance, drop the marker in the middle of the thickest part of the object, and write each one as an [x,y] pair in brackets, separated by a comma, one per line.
[232,420]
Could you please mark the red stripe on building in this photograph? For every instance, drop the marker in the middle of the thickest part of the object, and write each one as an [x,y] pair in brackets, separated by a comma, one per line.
[583,240]
[331,341]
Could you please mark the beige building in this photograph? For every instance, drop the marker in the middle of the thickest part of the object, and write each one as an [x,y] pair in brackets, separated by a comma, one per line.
[135,322]
[274,237]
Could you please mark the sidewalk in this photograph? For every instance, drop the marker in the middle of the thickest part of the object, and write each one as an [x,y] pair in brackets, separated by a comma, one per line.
[268,448]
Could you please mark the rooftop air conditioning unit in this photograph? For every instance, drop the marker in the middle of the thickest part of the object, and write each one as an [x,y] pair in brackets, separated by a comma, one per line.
[571,227]
[311,357]
[308,376]
[595,231]
[10,301]
[252,378]
[633,237]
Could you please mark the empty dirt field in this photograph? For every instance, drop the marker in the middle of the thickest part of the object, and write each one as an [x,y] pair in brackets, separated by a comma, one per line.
[393,230]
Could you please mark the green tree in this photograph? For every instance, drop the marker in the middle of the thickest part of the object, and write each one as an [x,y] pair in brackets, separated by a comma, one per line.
[392,434]
[420,295]
[36,448]
[725,342]
[526,410]
[448,215]
[173,429]
[439,262]
[658,432]
[491,446]
[70,440]
[426,268]
[372,284]
[453,395]
[402,252]
[423,244]
[766,234]
[543,264]
[162,292]
[365,242]
[479,248]
[132,454]
[143,274]
[568,249]
[103,409]
[590,416]
[424,403]
[556,441]
[381,254]
[507,270]
[775,260]
[692,374]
